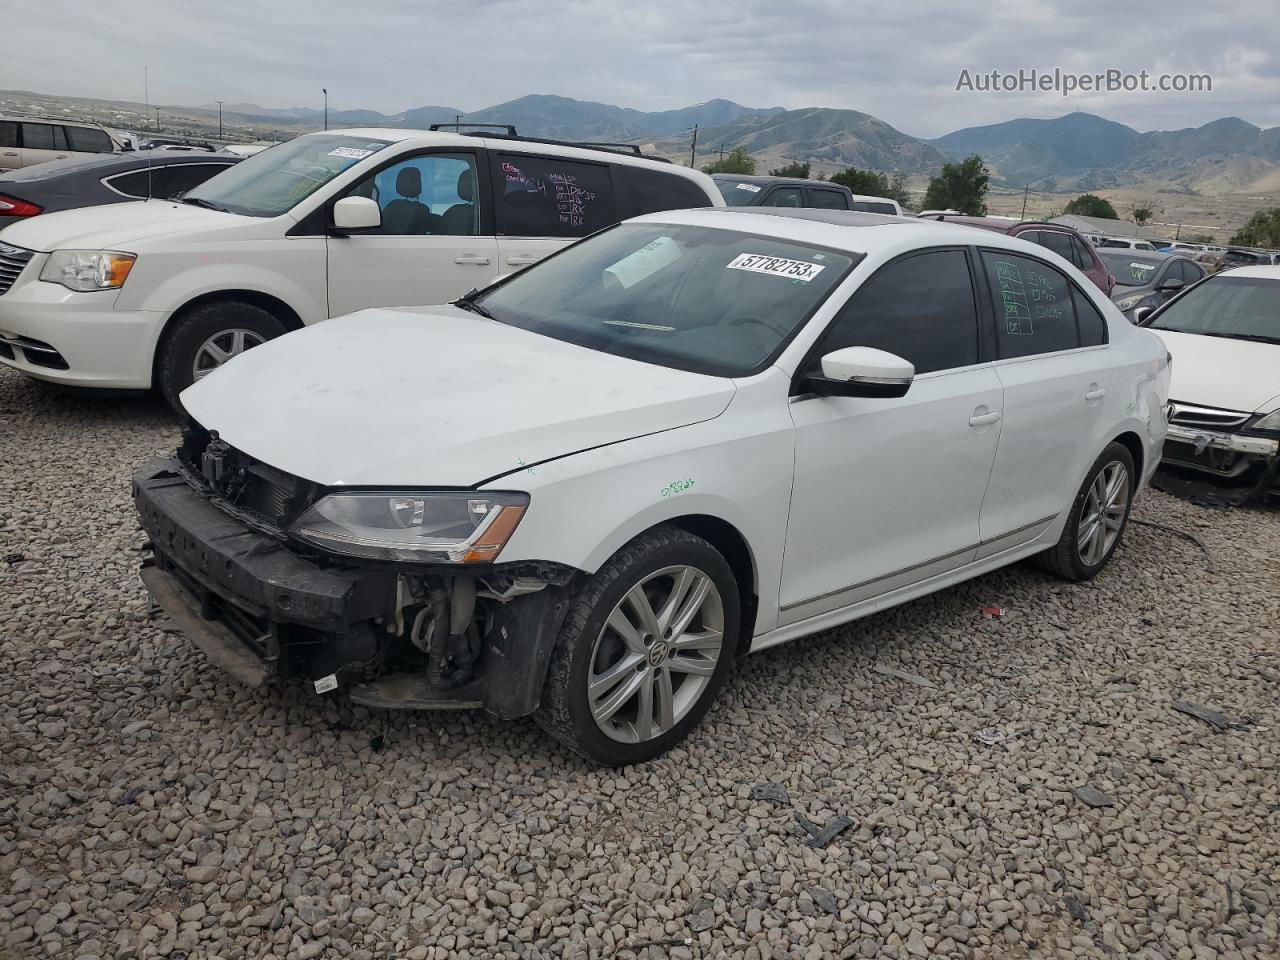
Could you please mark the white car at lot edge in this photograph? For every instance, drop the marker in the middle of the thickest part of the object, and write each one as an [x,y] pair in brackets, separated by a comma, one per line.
[158,293]
[1224,335]
[582,492]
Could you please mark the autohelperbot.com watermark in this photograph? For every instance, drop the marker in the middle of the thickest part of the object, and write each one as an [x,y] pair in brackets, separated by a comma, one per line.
[1035,80]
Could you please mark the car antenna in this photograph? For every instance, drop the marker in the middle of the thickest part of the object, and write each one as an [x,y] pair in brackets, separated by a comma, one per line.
[146,102]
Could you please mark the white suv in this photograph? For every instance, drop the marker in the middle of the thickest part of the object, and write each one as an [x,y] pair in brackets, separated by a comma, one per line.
[158,293]
[28,140]
[583,491]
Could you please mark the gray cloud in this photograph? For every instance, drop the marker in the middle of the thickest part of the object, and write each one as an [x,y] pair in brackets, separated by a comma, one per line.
[900,63]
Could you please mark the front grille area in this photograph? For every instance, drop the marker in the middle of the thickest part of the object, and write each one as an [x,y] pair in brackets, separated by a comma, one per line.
[244,484]
[13,260]
[1206,418]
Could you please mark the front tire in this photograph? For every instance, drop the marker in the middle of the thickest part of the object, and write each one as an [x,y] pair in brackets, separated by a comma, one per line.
[207,336]
[645,649]
[1099,515]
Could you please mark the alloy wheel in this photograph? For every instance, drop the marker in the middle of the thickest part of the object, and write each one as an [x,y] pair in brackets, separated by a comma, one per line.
[655,654]
[220,348]
[1103,515]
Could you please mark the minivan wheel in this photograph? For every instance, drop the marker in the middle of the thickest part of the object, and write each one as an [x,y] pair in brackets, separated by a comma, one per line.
[645,648]
[206,337]
[1098,518]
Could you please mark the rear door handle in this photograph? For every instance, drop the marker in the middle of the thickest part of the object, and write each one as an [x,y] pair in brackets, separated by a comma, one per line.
[1095,393]
[471,258]
[985,419]
[522,259]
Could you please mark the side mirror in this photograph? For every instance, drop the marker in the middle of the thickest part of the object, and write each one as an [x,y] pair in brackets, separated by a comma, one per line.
[1141,314]
[1172,284]
[862,372]
[354,214]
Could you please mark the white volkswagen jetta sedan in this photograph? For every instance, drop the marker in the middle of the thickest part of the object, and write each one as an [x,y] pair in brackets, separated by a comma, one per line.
[582,492]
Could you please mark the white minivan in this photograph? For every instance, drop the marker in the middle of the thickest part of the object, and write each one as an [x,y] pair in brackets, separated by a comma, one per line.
[159,293]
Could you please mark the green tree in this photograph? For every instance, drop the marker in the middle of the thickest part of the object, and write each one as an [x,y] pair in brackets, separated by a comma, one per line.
[869,183]
[791,170]
[1141,214]
[1092,205]
[1261,230]
[738,161]
[960,186]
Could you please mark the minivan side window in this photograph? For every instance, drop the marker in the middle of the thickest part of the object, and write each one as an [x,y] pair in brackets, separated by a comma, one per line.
[1034,309]
[828,199]
[40,136]
[551,197]
[8,133]
[920,308]
[87,140]
[432,194]
[653,192]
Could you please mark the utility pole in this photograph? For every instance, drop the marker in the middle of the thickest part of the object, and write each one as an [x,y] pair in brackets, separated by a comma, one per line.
[219,119]
[693,150]
[325,91]
[722,153]
[157,110]
[457,119]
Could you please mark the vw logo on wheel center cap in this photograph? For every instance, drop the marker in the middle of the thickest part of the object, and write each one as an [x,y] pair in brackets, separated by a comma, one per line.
[657,653]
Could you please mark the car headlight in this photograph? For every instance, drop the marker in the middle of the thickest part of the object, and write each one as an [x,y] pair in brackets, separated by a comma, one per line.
[465,526]
[1128,303]
[1270,423]
[88,270]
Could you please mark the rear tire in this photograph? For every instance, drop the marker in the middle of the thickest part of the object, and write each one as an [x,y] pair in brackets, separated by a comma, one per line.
[206,336]
[634,672]
[1098,518]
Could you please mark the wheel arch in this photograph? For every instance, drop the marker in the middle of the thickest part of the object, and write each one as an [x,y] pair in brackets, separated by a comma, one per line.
[1133,443]
[273,305]
[733,546]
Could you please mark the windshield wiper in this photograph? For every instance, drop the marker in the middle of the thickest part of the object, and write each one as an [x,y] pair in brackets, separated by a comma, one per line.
[200,202]
[468,302]
[1252,337]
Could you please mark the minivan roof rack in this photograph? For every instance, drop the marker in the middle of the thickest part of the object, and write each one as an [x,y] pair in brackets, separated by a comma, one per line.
[8,115]
[630,149]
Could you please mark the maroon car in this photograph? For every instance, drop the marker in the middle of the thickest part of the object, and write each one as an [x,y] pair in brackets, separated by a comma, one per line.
[1062,240]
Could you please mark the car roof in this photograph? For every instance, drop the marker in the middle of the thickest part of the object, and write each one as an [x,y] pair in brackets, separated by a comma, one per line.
[1122,252]
[1260,272]
[850,230]
[767,178]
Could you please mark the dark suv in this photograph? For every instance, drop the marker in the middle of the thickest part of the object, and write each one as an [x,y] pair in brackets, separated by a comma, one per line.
[1061,239]
[753,191]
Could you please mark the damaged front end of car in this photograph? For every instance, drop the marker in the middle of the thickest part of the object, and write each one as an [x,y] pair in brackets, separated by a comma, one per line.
[1239,449]
[394,595]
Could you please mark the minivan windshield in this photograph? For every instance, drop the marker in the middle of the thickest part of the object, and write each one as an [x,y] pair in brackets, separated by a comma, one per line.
[707,300]
[276,180]
[1240,308]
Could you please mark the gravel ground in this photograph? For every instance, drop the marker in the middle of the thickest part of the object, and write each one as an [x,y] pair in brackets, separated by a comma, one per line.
[150,807]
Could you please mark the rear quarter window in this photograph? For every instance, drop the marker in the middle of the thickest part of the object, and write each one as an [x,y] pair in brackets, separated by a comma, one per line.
[87,140]
[652,191]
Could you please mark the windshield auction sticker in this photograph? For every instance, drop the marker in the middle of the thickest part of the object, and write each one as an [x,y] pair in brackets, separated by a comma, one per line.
[350,153]
[775,266]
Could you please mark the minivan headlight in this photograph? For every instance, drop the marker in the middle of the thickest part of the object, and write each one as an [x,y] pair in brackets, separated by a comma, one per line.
[463,526]
[88,270]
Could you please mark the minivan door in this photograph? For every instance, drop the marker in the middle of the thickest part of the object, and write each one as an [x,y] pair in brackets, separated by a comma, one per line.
[544,203]
[435,243]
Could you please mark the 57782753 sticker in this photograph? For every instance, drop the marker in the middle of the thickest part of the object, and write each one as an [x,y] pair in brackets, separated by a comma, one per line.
[775,266]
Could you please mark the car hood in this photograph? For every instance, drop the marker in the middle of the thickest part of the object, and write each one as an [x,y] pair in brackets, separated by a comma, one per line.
[115,226]
[1217,372]
[436,396]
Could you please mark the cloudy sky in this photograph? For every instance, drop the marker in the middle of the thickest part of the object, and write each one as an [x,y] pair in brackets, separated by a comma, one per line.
[900,62]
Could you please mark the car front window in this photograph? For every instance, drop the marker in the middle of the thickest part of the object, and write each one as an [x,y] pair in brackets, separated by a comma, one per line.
[1243,308]
[707,300]
[276,180]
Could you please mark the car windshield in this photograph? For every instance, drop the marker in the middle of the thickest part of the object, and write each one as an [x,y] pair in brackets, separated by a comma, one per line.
[1131,269]
[276,180]
[739,193]
[1244,308]
[706,300]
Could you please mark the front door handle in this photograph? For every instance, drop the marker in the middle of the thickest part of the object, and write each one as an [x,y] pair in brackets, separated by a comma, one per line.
[471,258]
[522,259]
[984,419]
[1095,393]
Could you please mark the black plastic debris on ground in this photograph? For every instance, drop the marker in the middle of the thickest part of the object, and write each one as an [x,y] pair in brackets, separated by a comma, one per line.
[14,558]
[819,837]
[1210,716]
[770,792]
[1202,492]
